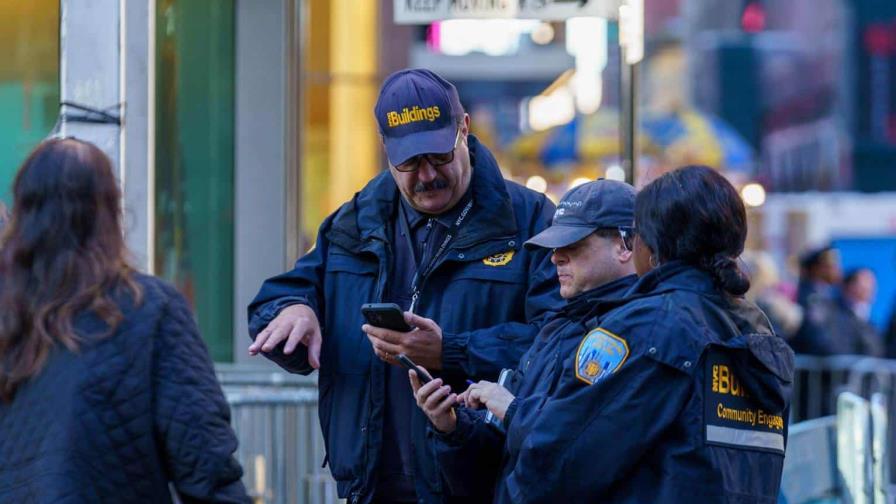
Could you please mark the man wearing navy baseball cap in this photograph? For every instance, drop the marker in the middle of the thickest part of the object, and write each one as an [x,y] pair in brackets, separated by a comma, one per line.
[439,234]
[591,236]
[590,239]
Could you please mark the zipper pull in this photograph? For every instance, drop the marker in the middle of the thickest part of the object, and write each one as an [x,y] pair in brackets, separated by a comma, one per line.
[414,301]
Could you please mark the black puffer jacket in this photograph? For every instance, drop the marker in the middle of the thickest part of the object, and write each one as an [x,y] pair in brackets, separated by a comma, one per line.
[124,416]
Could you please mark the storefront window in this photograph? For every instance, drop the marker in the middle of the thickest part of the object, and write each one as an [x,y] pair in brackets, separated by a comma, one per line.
[29,81]
[341,148]
[194,172]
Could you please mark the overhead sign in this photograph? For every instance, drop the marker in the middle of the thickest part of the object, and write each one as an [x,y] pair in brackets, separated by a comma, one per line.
[428,11]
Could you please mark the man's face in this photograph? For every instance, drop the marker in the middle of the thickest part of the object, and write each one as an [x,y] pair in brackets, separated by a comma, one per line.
[863,287]
[589,263]
[437,189]
[829,267]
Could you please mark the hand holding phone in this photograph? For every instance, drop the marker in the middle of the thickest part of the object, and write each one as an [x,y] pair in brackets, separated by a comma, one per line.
[407,363]
[385,315]
[433,397]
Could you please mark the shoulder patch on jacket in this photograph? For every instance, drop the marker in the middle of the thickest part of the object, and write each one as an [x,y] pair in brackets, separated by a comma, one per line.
[498,259]
[600,354]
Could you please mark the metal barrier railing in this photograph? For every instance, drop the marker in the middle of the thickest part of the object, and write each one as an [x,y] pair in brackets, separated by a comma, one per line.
[810,466]
[240,375]
[274,415]
[819,380]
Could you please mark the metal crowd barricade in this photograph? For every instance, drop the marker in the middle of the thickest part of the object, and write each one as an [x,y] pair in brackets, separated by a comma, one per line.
[240,375]
[274,415]
[810,466]
[819,380]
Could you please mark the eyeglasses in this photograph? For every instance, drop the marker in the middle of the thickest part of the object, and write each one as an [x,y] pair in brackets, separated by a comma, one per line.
[628,235]
[434,159]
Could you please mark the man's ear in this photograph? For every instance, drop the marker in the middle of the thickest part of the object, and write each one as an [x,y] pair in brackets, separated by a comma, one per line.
[623,254]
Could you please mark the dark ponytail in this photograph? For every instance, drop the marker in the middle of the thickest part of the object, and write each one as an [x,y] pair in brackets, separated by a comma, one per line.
[727,274]
[693,214]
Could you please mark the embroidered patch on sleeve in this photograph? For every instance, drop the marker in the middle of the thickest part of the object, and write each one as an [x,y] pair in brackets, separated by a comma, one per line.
[600,354]
[732,416]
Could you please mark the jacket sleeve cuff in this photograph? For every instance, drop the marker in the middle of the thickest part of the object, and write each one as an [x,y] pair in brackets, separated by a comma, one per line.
[269,312]
[461,434]
[454,351]
[508,415]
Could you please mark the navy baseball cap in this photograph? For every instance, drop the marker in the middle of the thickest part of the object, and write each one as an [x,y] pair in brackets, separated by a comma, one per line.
[417,113]
[585,209]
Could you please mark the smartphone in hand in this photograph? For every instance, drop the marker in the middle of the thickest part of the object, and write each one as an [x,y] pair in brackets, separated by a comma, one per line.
[385,315]
[407,363]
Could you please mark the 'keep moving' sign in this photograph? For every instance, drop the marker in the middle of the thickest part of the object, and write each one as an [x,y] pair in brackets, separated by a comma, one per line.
[427,11]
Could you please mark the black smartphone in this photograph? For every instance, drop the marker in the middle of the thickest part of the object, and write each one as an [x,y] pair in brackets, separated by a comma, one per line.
[407,363]
[385,315]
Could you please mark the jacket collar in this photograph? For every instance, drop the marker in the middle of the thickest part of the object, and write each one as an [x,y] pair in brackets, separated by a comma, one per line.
[616,289]
[370,211]
[674,275]
[670,276]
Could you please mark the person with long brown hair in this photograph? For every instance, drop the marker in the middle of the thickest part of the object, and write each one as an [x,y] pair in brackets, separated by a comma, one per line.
[107,392]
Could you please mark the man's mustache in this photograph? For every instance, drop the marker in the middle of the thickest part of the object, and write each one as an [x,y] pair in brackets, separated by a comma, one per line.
[435,185]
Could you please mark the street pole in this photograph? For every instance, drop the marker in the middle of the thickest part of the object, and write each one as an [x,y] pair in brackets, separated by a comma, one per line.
[628,120]
[106,64]
[631,45]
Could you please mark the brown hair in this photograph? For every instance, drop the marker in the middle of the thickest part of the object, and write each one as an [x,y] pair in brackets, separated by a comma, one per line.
[62,252]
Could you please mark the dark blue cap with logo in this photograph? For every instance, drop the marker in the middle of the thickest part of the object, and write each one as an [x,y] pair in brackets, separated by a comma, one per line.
[585,209]
[417,113]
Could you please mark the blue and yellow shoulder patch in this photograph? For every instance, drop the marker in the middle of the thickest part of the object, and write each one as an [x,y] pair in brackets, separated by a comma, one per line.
[600,354]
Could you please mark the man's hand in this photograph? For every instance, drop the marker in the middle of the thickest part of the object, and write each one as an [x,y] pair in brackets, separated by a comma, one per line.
[423,345]
[491,395]
[294,324]
[436,400]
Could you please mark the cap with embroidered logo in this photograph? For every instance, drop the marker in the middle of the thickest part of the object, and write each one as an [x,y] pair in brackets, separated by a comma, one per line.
[418,113]
[586,208]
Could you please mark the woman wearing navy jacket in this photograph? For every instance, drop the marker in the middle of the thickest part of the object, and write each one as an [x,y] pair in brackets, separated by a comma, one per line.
[107,392]
[679,392]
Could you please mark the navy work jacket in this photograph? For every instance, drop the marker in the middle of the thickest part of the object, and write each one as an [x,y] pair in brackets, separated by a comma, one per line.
[472,457]
[677,395]
[489,295]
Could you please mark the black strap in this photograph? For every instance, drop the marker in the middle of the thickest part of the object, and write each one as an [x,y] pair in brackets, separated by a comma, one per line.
[423,272]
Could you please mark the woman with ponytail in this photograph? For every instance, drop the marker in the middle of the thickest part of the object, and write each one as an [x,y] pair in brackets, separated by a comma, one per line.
[680,392]
[107,392]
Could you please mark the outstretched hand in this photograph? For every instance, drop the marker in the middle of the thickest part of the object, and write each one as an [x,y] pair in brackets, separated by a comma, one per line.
[294,324]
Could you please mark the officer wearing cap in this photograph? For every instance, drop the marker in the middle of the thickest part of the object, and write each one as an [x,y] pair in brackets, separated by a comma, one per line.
[590,236]
[677,393]
[439,233]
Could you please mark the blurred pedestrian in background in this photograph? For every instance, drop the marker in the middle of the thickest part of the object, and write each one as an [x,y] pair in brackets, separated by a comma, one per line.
[785,315]
[107,392]
[820,277]
[854,299]
[836,308]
